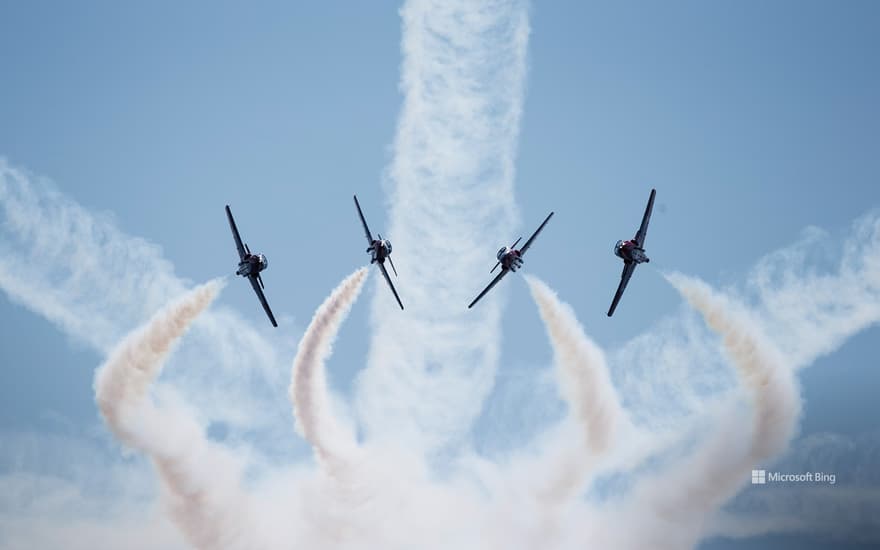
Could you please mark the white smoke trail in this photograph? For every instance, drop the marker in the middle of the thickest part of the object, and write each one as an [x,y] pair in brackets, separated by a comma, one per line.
[201,480]
[760,366]
[586,387]
[96,283]
[308,386]
[674,507]
[437,363]
[563,470]
[452,205]
[85,270]
[809,298]
[121,383]
[809,313]
[374,496]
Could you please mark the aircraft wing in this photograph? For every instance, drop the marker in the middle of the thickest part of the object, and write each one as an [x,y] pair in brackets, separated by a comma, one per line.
[535,234]
[363,221]
[493,283]
[262,297]
[387,278]
[643,229]
[235,235]
[628,269]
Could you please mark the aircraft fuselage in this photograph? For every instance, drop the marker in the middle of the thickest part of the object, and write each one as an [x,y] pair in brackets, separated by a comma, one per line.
[252,264]
[629,251]
[379,250]
[510,258]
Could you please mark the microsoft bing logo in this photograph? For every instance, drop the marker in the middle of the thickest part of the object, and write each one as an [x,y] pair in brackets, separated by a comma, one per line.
[762,477]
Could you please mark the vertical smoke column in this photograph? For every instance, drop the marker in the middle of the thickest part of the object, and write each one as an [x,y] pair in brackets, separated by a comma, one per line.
[201,481]
[450,185]
[308,386]
[676,505]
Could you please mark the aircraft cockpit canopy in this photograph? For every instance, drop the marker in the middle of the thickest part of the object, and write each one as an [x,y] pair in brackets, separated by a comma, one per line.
[263,261]
[501,253]
[618,246]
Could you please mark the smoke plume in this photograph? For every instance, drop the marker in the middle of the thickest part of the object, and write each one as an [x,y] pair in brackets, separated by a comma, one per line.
[674,507]
[308,387]
[121,383]
[201,481]
[413,480]
[586,388]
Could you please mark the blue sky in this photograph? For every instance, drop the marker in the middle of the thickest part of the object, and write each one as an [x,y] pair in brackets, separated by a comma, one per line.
[754,121]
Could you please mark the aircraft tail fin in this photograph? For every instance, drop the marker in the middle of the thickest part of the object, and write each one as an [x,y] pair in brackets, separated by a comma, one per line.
[496,266]
[259,278]
[247,248]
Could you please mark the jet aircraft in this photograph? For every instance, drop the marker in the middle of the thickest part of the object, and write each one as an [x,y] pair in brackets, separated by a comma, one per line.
[632,253]
[250,266]
[379,250]
[510,259]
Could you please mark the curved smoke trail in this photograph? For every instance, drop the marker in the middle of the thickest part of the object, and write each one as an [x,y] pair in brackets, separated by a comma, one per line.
[593,406]
[674,508]
[201,480]
[308,385]
[586,387]
[121,383]
[760,366]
